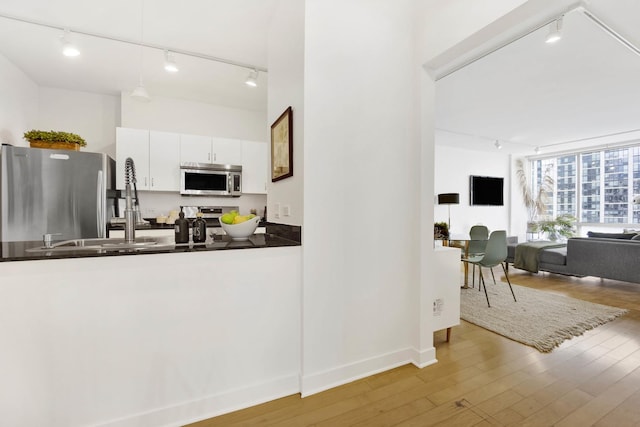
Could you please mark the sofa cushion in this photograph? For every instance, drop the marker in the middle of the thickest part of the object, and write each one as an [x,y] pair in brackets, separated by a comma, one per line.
[557,256]
[627,236]
[636,237]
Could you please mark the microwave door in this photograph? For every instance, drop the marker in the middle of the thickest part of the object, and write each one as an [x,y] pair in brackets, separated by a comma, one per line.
[200,182]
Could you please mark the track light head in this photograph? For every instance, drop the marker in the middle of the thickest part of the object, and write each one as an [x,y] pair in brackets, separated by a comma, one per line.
[555,31]
[537,150]
[170,63]
[68,48]
[252,79]
[497,144]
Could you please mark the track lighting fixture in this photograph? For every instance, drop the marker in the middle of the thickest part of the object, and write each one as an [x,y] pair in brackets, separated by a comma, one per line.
[170,63]
[252,78]
[555,31]
[68,48]
[537,150]
[498,145]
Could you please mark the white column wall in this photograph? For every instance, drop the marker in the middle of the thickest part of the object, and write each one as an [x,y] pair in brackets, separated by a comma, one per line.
[361,200]
[18,103]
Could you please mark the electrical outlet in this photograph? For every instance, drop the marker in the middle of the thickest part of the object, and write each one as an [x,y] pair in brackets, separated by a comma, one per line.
[277,211]
[286,210]
[438,306]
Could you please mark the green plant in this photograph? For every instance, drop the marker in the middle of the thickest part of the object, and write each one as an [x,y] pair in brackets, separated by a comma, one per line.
[563,226]
[440,230]
[536,203]
[53,136]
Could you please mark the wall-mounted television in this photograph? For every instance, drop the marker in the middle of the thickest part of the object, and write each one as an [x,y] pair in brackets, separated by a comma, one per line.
[486,190]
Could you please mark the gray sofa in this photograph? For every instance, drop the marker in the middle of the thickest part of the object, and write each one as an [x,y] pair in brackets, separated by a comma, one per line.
[606,257]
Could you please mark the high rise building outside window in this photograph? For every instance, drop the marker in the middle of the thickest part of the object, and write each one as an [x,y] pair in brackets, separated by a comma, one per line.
[596,186]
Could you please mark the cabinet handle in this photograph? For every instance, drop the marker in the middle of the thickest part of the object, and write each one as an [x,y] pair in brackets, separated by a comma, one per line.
[209,156]
[152,182]
[145,181]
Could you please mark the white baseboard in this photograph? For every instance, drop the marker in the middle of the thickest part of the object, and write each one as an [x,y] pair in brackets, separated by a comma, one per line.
[423,358]
[321,381]
[212,406]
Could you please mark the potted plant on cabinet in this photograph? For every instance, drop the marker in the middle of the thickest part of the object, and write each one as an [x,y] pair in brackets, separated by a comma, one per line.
[54,140]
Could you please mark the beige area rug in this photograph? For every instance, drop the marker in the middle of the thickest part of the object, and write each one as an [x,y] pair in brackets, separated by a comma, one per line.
[539,319]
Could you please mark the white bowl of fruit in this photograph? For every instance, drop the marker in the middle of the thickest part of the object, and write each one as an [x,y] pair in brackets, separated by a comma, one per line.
[239,227]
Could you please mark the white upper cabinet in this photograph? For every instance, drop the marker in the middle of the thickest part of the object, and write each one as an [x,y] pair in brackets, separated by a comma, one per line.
[158,155]
[205,149]
[164,167]
[155,156]
[255,167]
[195,149]
[227,151]
[133,143]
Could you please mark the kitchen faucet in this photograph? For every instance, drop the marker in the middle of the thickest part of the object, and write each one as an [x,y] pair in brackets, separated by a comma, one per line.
[130,212]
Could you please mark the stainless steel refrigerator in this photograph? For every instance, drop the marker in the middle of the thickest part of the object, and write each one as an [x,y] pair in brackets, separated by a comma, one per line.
[59,192]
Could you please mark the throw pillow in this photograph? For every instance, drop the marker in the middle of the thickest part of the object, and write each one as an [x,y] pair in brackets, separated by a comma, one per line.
[611,235]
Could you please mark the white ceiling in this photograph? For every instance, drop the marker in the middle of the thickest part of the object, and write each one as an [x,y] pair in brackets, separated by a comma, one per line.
[530,94]
[234,30]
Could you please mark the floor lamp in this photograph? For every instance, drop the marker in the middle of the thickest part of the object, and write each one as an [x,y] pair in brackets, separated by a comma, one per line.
[449,199]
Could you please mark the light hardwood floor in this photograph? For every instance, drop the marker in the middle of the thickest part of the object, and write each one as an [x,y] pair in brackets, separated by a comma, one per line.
[483,379]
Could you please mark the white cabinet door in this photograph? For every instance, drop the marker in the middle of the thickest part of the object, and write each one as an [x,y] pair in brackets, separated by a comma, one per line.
[133,143]
[164,161]
[195,149]
[227,151]
[255,167]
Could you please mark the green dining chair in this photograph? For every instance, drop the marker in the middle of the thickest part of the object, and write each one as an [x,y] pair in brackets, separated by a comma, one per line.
[495,254]
[478,236]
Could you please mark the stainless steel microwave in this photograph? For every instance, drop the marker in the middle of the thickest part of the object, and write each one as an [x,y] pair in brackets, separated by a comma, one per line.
[206,179]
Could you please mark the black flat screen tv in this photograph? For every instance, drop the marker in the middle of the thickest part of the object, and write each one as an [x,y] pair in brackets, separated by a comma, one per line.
[486,191]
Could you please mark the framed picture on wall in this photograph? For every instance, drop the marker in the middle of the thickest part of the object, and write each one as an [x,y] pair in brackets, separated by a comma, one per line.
[282,146]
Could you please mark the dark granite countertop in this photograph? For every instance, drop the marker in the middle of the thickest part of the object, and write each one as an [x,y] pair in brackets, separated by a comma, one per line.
[277,235]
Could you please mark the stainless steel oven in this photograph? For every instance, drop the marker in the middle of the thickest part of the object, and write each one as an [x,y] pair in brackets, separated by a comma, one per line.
[206,179]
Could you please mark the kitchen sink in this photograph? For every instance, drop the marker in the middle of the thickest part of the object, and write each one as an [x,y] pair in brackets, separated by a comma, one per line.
[101,245]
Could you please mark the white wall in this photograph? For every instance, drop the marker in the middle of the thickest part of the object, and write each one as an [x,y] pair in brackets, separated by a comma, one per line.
[182,116]
[92,116]
[360,263]
[18,103]
[286,88]
[453,166]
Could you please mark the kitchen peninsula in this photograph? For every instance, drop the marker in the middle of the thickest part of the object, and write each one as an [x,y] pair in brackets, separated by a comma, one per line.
[117,338]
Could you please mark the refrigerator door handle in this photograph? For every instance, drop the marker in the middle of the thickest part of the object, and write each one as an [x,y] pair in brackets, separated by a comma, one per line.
[100,205]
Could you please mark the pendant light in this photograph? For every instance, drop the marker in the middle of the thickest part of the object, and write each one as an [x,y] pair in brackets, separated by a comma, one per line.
[140,93]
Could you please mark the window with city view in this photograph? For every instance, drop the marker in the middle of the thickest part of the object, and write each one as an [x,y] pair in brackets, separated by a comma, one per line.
[596,186]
